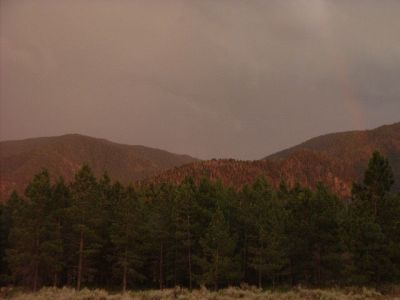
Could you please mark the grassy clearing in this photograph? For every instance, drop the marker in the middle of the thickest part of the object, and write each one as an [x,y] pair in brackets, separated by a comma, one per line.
[203,293]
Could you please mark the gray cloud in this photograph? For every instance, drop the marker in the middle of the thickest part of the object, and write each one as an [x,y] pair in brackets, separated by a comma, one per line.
[209,78]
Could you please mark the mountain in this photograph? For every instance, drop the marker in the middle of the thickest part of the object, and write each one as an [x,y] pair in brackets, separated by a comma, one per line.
[336,159]
[353,148]
[63,156]
[351,145]
[304,167]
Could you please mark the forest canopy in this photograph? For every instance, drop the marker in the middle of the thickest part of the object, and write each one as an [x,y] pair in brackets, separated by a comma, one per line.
[94,232]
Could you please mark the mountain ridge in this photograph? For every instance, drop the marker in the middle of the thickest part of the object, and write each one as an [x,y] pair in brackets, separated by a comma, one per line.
[63,155]
[394,127]
[337,159]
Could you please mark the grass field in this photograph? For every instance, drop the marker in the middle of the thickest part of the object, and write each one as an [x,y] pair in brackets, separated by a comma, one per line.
[203,293]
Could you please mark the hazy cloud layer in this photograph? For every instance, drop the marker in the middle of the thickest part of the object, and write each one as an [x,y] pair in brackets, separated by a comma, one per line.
[211,78]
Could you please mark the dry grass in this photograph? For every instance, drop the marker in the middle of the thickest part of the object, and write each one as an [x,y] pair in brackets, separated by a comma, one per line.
[202,293]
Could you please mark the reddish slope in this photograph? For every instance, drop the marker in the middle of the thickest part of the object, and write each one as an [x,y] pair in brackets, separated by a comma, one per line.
[354,148]
[63,155]
[304,167]
[335,159]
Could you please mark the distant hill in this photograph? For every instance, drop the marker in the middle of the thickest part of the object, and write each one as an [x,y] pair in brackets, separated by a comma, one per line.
[351,145]
[354,148]
[304,167]
[336,159]
[63,156]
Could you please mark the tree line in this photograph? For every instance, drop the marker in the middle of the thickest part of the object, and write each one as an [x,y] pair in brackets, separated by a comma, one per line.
[98,233]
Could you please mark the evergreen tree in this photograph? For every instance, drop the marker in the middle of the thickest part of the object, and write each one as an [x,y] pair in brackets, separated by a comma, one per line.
[388,219]
[298,229]
[245,230]
[159,233]
[313,237]
[326,241]
[264,221]
[219,262]
[184,228]
[10,212]
[57,227]
[61,202]
[371,220]
[377,183]
[125,235]
[4,231]
[95,232]
[21,246]
[85,213]
[108,194]
[378,177]
[36,249]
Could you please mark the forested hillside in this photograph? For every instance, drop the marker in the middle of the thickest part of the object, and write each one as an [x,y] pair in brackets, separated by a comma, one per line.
[64,155]
[354,148]
[97,233]
[335,159]
[304,167]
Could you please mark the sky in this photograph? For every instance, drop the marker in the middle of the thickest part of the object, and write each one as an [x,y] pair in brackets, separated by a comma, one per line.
[209,78]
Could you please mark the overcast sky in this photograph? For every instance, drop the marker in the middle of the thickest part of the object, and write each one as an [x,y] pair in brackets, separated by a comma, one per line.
[210,78]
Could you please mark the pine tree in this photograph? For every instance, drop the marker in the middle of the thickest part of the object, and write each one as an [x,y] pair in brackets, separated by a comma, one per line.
[313,235]
[218,262]
[95,232]
[39,193]
[125,235]
[159,232]
[184,232]
[85,213]
[388,219]
[378,177]
[298,229]
[378,181]
[4,230]
[370,214]
[325,239]
[108,194]
[36,249]
[57,226]
[264,220]
[9,216]
[21,246]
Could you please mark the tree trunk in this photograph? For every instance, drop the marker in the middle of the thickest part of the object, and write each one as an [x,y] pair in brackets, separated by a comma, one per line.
[161,268]
[36,266]
[245,258]
[273,282]
[216,272]
[125,271]
[80,263]
[259,269]
[175,258]
[35,276]
[260,261]
[319,268]
[189,256]
[55,279]
[317,265]
[291,272]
